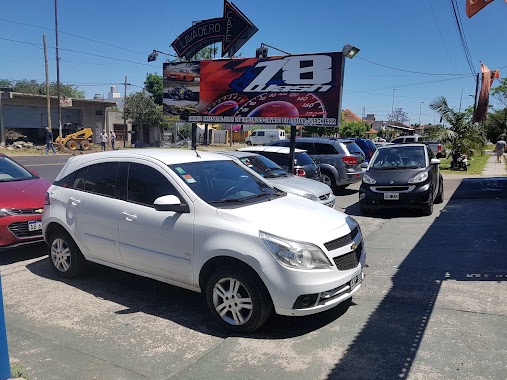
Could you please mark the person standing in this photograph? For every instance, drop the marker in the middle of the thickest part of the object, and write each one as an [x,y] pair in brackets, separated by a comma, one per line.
[112,138]
[103,140]
[500,149]
[49,141]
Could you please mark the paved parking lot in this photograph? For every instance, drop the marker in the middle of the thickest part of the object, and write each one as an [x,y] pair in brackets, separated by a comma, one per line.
[432,307]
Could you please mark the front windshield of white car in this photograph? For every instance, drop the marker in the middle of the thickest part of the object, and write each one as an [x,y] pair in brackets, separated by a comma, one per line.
[224,183]
[399,157]
[263,166]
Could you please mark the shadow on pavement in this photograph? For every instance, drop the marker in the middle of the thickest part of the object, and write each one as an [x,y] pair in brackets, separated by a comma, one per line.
[451,249]
[27,252]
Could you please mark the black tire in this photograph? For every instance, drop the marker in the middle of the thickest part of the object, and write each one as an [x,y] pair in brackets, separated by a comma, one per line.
[247,286]
[248,143]
[465,166]
[329,179]
[84,145]
[440,195]
[71,145]
[65,256]
[427,209]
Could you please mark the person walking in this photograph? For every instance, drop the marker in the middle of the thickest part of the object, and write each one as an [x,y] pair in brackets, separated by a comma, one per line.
[500,149]
[112,138]
[49,141]
[103,140]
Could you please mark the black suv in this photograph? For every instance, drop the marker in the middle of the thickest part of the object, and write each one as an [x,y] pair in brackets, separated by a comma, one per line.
[339,159]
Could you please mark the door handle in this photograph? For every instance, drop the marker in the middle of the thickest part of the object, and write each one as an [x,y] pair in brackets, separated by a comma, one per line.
[74,201]
[129,217]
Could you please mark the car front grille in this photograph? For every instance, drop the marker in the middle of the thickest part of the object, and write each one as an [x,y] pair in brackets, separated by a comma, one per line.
[397,189]
[20,230]
[349,260]
[342,241]
[25,211]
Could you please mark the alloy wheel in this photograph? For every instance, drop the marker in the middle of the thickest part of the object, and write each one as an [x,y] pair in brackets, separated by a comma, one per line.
[232,301]
[60,255]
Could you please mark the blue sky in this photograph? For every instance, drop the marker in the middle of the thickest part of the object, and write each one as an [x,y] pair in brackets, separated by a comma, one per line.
[405,45]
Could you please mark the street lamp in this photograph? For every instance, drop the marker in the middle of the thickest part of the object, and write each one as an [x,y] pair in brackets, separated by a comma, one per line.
[420,105]
[392,107]
[350,51]
[154,55]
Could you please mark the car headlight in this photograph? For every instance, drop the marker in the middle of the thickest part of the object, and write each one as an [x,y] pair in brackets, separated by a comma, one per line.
[310,197]
[421,177]
[367,179]
[295,254]
[5,212]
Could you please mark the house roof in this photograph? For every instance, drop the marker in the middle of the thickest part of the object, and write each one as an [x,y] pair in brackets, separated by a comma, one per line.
[348,115]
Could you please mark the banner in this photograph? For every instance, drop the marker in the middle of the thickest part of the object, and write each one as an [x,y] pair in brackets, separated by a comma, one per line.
[180,88]
[474,6]
[481,111]
[289,90]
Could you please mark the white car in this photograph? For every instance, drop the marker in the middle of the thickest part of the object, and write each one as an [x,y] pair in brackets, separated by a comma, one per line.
[269,170]
[204,222]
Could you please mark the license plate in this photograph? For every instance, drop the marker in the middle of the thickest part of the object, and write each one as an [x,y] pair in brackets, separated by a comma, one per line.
[391,196]
[34,226]
[356,280]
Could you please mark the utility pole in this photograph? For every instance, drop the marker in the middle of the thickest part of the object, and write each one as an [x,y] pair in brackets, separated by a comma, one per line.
[48,99]
[124,117]
[58,77]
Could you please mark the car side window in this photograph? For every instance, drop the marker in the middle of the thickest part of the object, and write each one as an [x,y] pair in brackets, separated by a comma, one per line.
[430,153]
[260,133]
[280,159]
[308,146]
[101,178]
[325,149]
[80,179]
[410,139]
[145,184]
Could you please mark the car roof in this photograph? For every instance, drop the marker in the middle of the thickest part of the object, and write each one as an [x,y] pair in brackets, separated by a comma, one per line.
[271,149]
[402,145]
[164,156]
[324,140]
[237,154]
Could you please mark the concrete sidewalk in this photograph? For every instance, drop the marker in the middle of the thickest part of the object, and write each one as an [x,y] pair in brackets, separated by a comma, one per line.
[493,168]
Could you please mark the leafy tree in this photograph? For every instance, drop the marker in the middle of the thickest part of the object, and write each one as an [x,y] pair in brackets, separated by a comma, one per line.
[142,110]
[470,136]
[26,86]
[398,117]
[500,92]
[353,129]
[154,84]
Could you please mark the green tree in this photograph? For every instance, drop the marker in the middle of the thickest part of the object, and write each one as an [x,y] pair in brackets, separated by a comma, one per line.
[320,131]
[26,86]
[470,136]
[398,117]
[353,129]
[500,92]
[142,110]
[154,84]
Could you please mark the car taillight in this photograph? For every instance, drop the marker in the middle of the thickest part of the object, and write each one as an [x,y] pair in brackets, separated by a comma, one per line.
[47,201]
[350,160]
[440,148]
[300,172]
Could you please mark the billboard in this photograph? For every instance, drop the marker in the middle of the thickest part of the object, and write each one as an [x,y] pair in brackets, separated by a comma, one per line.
[180,88]
[293,90]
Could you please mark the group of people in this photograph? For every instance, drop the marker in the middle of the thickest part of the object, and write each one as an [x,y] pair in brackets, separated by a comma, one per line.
[104,139]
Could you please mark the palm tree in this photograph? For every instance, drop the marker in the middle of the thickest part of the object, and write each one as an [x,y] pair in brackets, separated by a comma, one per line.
[470,136]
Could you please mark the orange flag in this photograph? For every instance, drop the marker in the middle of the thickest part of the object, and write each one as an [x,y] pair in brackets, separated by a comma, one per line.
[474,6]
[481,111]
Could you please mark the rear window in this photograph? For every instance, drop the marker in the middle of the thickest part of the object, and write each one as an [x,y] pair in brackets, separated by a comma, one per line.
[352,147]
[303,159]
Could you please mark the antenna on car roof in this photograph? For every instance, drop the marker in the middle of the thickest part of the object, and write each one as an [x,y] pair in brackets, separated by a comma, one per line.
[195,150]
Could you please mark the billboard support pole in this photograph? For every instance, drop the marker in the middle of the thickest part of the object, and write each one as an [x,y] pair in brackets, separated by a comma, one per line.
[194,136]
[5,367]
[292,145]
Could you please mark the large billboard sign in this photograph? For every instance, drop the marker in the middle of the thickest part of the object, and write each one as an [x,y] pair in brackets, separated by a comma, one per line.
[181,88]
[291,90]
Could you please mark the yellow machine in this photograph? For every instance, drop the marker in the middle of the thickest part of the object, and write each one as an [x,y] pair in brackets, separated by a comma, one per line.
[75,136]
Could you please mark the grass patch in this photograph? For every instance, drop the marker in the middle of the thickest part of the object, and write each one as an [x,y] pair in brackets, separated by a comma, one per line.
[17,371]
[477,164]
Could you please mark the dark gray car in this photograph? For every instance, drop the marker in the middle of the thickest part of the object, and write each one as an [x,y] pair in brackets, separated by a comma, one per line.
[339,159]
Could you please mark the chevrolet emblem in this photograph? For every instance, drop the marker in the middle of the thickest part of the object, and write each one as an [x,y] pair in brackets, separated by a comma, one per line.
[39,211]
[353,246]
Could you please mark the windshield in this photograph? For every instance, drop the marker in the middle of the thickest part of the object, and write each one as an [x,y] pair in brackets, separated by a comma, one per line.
[404,157]
[12,171]
[264,166]
[224,182]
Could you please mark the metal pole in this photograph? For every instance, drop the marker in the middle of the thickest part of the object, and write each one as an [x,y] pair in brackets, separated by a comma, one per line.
[125,131]
[420,105]
[5,367]
[392,107]
[48,99]
[2,125]
[58,76]
[292,148]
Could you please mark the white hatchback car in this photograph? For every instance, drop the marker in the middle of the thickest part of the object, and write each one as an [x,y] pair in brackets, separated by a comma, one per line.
[205,222]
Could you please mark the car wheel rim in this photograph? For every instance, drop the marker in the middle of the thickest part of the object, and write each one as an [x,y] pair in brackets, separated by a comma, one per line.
[232,301]
[326,180]
[60,255]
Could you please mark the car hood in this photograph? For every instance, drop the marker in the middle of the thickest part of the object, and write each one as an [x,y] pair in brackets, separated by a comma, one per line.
[23,194]
[300,185]
[393,177]
[291,217]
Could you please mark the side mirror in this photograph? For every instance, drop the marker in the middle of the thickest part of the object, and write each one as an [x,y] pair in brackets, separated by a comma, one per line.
[364,165]
[171,203]
[435,161]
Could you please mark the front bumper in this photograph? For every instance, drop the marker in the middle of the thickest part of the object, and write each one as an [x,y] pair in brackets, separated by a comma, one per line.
[15,232]
[408,196]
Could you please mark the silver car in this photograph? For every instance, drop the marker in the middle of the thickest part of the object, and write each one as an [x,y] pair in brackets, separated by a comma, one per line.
[278,177]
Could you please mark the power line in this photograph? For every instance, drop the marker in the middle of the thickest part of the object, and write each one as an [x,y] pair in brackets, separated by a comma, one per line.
[163,14]
[461,33]
[441,36]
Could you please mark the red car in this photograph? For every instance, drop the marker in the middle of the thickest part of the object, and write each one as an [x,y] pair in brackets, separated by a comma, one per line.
[22,194]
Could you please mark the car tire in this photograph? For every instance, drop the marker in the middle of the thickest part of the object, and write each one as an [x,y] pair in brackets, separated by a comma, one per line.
[66,257]
[329,179]
[84,145]
[248,143]
[71,145]
[440,195]
[427,209]
[229,284]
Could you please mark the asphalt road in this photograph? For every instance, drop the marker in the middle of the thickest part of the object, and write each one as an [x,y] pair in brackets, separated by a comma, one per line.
[432,306]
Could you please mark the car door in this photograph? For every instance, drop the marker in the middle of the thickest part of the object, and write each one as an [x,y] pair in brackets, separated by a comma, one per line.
[92,211]
[434,172]
[151,241]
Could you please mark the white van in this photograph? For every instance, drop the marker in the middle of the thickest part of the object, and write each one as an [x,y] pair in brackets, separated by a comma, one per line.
[264,136]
